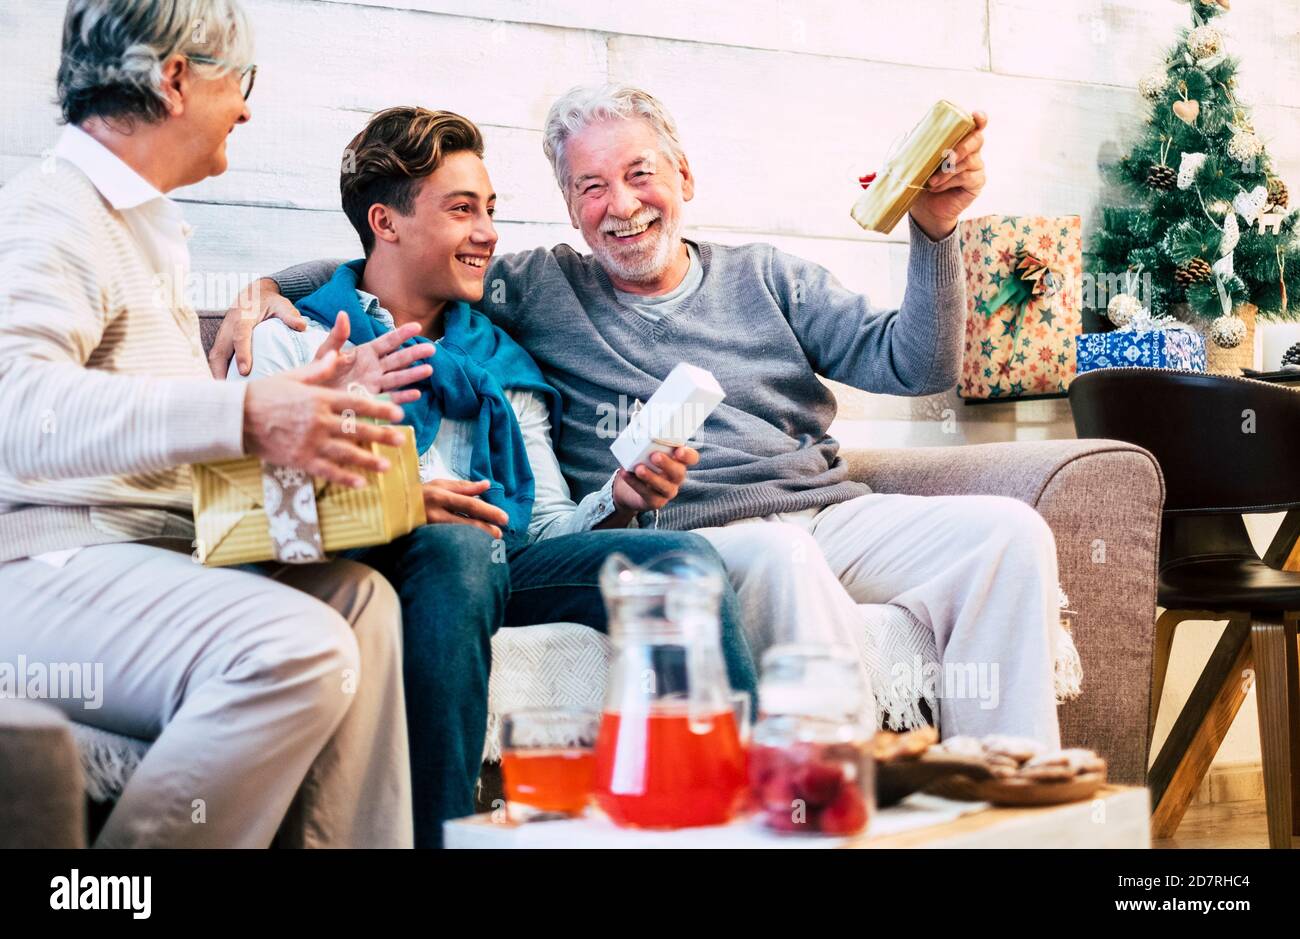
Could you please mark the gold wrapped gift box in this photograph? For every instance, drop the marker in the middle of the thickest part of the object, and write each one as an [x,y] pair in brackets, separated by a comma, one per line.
[893,191]
[232,526]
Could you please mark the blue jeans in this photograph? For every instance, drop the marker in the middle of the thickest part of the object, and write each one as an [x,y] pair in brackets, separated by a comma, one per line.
[454,598]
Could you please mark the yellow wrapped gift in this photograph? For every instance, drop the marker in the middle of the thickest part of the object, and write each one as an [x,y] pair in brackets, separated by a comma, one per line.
[246,511]
[890,194]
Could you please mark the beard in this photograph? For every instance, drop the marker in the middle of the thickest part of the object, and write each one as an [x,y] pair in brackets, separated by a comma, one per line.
[646,260]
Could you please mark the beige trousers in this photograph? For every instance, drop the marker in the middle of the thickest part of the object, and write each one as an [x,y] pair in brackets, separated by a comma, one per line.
[255,690]
[978,573]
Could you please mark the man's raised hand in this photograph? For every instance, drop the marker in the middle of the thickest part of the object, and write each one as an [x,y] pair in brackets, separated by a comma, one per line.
[956,184]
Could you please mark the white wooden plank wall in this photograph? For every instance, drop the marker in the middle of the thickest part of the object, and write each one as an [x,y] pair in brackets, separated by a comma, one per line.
[781,105]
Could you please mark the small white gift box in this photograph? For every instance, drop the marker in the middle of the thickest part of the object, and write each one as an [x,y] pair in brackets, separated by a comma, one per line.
[674,412]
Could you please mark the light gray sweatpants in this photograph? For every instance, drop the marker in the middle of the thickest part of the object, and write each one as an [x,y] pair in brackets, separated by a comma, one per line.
[256,688]
[978,571]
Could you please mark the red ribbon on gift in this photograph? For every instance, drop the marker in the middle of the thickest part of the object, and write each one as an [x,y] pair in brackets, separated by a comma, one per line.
[867,180]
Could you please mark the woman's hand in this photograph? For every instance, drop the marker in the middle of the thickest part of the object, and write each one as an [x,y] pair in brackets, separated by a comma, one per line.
[294,419]
[381,365]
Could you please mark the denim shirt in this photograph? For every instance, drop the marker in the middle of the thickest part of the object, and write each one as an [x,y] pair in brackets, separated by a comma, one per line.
[276,348]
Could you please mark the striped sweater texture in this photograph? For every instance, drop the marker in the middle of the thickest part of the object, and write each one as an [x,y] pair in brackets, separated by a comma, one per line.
[105,393]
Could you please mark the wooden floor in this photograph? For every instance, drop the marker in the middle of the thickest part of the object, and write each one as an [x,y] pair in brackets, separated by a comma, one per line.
[1221,825]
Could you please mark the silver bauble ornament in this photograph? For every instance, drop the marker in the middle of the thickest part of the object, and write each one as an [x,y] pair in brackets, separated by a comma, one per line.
[1204,41]
[1152,85]
[1228,332]
[1244,146]
[1122,308]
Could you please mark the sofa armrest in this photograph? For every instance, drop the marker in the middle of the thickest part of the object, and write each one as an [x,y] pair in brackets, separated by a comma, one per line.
[1021,470]
[42,796]
[1102,500]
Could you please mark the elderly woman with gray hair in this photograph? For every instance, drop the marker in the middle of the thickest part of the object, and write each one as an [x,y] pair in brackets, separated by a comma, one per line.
[255,686]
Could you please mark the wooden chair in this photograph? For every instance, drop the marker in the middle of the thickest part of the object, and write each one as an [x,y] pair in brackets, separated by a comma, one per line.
[1227,447]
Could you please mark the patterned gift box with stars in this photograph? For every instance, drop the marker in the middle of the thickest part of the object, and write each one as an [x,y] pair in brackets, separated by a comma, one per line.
[1121,348]
[1024,277]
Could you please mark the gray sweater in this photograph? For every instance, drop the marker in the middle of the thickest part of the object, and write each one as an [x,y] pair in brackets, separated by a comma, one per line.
[764,322]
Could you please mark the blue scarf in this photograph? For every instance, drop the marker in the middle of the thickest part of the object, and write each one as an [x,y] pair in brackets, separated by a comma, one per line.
[475,362]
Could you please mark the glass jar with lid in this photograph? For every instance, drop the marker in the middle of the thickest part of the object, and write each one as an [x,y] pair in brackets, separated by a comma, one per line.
[811,770]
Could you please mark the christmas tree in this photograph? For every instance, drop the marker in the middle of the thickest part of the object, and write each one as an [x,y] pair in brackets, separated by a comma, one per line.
[1209,229]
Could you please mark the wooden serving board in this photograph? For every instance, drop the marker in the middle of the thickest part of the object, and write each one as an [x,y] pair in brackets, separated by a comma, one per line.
[1019,792]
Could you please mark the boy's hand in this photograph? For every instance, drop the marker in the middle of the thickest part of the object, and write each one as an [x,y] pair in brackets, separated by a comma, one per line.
[456,502]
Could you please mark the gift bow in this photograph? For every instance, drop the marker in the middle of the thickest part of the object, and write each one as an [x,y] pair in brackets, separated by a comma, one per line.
[1031,279]
[1144,322]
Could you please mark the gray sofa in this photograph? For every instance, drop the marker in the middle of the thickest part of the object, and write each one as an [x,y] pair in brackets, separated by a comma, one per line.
[1101,498]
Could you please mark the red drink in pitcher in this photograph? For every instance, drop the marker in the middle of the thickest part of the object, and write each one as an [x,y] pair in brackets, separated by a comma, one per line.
[667,770]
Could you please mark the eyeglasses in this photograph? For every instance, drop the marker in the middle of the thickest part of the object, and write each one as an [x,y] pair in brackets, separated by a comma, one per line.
[247,74]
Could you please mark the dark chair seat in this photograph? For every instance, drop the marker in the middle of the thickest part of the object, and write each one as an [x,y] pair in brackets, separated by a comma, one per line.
[1228,583]
[1227,447]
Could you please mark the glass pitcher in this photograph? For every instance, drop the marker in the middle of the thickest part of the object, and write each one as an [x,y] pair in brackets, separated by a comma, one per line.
[669,752]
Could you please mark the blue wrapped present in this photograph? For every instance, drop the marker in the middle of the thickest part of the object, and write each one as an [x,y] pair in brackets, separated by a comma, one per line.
[1172,345]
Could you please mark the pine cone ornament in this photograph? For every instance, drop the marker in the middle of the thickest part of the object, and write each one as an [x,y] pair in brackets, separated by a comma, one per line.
[1152,85]
[1277,193]
[1195,271]
[1162,177]
[1122,308]
[1244,145]
[1204,41]
[1228,332]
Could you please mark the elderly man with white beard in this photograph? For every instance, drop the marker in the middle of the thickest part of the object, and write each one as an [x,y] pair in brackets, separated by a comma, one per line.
[969,581]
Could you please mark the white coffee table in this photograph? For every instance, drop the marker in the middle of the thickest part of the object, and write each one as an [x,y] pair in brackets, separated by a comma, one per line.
[1117,817]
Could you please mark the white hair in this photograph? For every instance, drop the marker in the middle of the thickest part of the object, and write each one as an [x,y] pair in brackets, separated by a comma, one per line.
[585,105]
[113,51]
